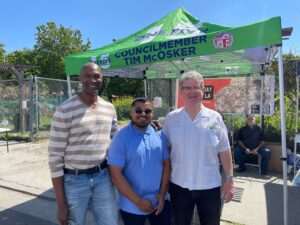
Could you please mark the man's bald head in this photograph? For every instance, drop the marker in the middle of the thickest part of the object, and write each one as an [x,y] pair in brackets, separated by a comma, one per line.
[88,67]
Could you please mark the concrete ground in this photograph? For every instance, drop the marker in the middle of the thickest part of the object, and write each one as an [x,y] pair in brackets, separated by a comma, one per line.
[27,198]
[258,199]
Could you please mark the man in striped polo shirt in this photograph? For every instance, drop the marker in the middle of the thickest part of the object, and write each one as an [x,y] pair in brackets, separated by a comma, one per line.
[81,132]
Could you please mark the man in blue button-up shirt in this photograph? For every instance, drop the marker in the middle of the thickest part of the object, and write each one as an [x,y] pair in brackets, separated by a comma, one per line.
[140,168]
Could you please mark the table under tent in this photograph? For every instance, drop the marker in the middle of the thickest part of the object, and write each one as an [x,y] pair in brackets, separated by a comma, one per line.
[180,42]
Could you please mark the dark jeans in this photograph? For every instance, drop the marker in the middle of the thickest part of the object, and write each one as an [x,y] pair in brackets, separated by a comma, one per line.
[240,156]
[164,218]
[183,202]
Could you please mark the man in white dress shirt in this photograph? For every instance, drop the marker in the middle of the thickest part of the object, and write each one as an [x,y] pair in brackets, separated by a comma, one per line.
[198,140]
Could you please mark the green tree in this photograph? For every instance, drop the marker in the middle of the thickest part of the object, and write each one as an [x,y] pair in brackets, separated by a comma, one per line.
[2,52]
[3,75]
[121,87]
[272,123]
[24,57]
[289,74]
[52,44]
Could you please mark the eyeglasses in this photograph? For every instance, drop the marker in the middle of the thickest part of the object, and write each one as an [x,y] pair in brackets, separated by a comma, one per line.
[146,111]
[194,88]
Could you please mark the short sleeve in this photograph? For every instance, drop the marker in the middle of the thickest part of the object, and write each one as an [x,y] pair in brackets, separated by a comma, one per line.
[114,125]
[223,136]
[116,152]
[165,149]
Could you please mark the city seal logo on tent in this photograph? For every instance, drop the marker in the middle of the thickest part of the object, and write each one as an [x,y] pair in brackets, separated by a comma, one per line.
[223,40]
[103,62]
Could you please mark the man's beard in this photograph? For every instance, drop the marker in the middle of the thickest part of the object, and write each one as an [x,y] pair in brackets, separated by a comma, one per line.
[140,125]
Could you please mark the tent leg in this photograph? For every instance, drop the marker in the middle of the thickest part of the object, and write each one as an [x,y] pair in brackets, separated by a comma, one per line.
[283,135]
[176,93]
[145,88]
[69,86]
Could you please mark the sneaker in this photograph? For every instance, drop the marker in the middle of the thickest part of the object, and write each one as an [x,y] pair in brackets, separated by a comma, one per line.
[241,169]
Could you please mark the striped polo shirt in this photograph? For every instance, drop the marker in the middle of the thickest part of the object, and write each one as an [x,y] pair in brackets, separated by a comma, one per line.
[80,135]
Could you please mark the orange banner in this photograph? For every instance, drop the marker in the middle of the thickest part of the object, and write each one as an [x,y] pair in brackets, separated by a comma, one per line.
[212,87]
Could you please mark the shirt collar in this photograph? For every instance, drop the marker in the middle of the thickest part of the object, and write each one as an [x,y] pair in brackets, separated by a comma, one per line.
[204,112]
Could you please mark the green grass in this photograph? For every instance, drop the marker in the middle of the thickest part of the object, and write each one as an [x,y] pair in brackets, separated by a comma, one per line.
[18,136]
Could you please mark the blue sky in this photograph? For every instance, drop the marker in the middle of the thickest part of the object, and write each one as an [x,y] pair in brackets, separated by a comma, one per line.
[101,21]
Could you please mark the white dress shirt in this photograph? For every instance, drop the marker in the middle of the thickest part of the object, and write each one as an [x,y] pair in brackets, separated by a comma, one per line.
[195,145]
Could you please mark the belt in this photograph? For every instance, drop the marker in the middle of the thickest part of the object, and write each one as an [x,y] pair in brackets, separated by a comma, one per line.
[87,171]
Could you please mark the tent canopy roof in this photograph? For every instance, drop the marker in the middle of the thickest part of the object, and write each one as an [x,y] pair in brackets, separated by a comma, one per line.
[180,42]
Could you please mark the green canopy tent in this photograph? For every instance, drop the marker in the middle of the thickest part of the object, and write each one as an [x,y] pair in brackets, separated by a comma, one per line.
[179,42]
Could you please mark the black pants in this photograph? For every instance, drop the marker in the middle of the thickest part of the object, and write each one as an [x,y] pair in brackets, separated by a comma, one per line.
[183,202]
[164,218]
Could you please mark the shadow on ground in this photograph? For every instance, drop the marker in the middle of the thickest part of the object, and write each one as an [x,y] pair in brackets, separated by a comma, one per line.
[274,200]
[40,210]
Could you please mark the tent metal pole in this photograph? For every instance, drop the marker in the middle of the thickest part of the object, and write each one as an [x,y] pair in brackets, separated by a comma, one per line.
[297,102]
[176,93]
[297,122]
[283,135]
[145,89]
[261,100]
[69,86]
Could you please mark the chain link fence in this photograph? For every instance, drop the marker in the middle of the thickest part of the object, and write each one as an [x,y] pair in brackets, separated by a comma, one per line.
[11,104]
[163,93]
[33,109]
[40,96]
[48,94]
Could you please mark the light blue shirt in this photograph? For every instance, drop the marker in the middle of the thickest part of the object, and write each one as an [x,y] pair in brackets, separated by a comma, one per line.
[141,154]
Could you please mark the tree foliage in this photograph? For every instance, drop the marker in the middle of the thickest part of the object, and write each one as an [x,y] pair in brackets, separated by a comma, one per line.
[4,59]
[272,123]
[116,86]
[23,57]
[52,44]
[2,52]
[289,74]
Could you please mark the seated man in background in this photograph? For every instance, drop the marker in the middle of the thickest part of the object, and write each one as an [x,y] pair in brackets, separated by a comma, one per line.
[250,144]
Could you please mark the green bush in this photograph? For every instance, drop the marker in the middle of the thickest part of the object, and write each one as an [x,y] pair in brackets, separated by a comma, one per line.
[123,106]
[17,136]
[271,128]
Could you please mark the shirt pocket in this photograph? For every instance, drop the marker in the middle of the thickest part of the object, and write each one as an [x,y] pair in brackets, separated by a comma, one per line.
[211,135]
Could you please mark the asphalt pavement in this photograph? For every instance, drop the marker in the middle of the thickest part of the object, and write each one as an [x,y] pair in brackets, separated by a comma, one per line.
[27,197]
